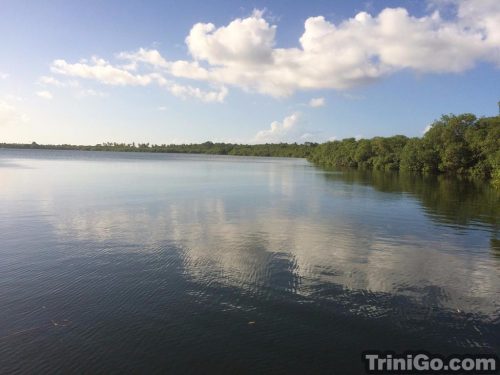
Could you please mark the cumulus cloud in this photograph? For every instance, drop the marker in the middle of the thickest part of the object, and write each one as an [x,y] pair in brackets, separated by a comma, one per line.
[353,52]
[44,94]
[246,42]
[194,92]
[152,57]
[288,130]
[10,115]
[104,72]
[328,55]
[317,102]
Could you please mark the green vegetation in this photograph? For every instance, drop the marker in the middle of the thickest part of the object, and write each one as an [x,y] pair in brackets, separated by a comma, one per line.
[277,150]
[460,145]
[457,145]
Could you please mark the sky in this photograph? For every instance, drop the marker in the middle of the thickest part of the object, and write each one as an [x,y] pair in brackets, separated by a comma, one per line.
[87,72]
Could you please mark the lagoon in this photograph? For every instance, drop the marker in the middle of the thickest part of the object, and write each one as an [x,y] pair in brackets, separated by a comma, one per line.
[117,262]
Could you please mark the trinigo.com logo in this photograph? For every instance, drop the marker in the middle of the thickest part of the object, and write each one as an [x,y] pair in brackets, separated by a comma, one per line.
[377,362]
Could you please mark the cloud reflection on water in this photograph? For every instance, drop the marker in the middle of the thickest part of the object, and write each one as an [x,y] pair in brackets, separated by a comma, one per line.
[277,226]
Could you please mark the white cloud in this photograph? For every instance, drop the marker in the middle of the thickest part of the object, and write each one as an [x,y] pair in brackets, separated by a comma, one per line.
[78,90]
[287,130]
[49,80]
[10,115]
[162,108]
[246,42]
[292,129]
[151,57]
[52,81]
[427,128]
[184,92]
[4,75]
[353,52]
[102,71]
[328,55]
[317,102]
[44,94]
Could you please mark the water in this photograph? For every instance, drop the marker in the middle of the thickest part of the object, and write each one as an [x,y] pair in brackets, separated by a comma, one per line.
[163,263]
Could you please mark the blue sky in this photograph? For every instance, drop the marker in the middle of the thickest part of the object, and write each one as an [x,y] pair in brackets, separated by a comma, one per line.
[87,72]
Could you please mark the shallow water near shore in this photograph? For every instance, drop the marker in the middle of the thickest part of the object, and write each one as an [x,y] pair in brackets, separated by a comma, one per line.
[155,263]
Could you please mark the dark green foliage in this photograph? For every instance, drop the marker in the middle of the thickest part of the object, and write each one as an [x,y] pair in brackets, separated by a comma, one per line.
[377,153]
[457,145]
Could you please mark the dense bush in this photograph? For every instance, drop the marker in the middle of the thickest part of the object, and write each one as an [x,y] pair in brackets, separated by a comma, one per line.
[460,145]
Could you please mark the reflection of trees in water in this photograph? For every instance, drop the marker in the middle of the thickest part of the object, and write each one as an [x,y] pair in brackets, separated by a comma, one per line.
[446,200]
[495,247]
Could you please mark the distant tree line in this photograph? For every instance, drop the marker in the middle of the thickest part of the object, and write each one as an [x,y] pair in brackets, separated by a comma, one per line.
[459,145]
[268,149]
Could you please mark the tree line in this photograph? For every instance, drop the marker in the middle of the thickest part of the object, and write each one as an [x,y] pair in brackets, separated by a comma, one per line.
[455,144]
[268,149]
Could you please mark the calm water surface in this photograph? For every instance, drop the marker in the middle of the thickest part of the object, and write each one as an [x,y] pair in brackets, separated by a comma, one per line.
[120,262]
